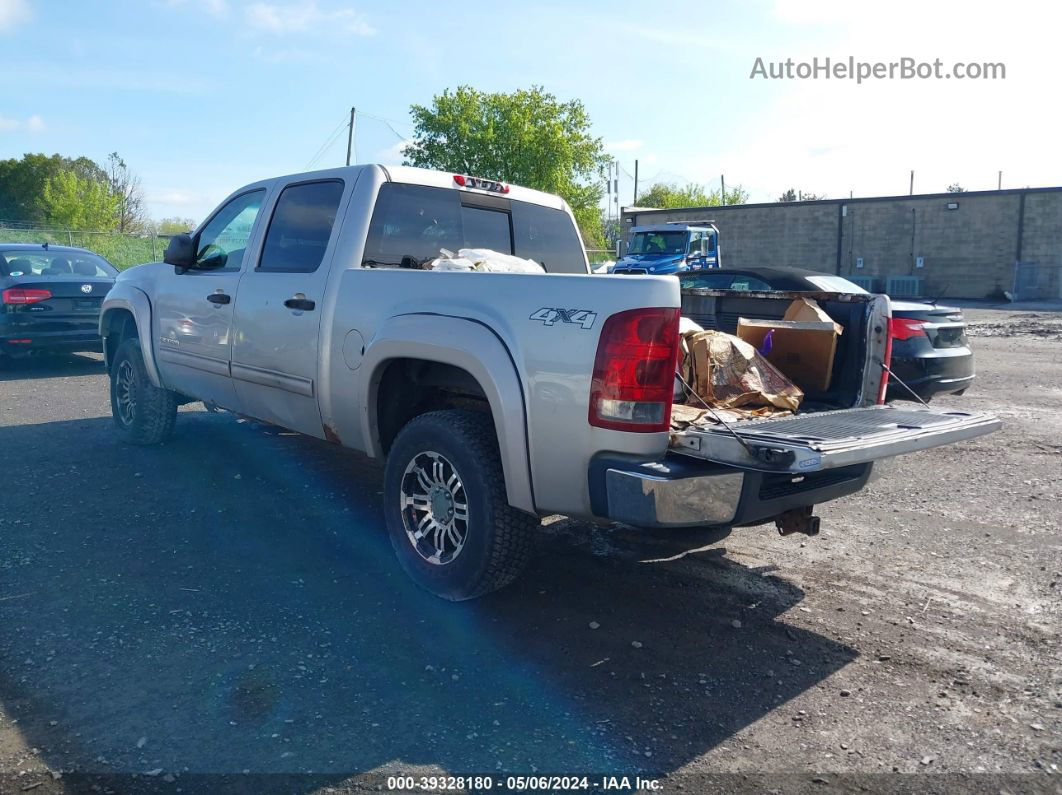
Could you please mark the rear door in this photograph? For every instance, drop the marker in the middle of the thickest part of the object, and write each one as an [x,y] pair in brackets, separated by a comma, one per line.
[278,311]
[193,310]
[830,439]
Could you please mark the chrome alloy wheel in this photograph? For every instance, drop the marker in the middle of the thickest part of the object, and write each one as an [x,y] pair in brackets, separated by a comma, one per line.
[125,392]
[434,508]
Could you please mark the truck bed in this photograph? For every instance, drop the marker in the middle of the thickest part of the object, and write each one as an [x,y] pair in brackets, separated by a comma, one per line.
[834,428]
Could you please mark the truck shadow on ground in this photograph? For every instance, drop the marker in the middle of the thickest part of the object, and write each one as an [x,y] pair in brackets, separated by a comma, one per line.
[49,366]
[229,603]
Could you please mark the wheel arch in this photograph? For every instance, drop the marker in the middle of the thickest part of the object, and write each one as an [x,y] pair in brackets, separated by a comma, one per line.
[460,346]
[127,312]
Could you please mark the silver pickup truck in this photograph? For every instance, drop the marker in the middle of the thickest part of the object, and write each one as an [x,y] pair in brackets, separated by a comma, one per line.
[495,398]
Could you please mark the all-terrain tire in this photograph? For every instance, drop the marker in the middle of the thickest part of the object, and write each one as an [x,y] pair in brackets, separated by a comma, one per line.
[143,413]
[498,539]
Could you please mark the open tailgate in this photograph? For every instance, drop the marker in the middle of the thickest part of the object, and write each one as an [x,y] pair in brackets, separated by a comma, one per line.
[829,439]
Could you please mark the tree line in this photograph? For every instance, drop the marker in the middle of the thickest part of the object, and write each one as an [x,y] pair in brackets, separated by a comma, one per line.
[79,194]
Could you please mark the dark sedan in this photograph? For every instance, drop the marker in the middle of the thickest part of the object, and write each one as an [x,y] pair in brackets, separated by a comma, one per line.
[930,352]
[51,298]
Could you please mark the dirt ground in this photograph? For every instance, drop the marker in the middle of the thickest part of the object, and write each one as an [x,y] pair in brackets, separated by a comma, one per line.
[229,605]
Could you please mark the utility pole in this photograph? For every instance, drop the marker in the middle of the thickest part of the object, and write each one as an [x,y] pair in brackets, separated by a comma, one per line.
[722,190]
[350,135]
[912,182]
[635,202]
[999,182]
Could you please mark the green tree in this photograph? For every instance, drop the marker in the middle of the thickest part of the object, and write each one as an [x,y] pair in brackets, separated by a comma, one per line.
[74,202]
[22,181]
[174,226]
[667,196]
[527,137]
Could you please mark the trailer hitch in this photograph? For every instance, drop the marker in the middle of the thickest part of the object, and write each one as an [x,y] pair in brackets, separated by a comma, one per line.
[797,520]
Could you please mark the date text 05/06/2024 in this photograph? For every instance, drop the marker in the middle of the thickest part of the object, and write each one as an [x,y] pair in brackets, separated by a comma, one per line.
[515,783]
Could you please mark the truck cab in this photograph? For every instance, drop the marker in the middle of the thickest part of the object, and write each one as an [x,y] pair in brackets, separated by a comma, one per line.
[661,249]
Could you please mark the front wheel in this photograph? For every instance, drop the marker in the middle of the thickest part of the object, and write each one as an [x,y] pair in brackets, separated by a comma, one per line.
[143,412]
[447,516]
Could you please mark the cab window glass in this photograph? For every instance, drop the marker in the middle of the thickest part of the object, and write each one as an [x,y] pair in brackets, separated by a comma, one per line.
[223,241]
[301,227]
[486,229]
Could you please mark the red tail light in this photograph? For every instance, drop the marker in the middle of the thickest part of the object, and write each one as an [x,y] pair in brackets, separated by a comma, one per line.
[903,328]
[20,295]
[634,371]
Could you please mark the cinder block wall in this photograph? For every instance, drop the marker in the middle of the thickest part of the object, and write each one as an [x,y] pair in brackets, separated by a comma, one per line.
[967,252]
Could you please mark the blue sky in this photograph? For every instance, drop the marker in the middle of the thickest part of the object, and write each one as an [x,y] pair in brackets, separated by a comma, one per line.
[202,96]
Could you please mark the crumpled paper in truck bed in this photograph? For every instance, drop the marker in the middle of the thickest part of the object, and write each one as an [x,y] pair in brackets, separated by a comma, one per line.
[729,373]
[484,260]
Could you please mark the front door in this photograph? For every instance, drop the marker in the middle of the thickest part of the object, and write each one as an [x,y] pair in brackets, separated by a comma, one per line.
[193,310]
[278,314]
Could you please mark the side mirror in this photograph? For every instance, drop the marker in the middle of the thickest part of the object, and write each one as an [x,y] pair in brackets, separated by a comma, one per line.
[180,252]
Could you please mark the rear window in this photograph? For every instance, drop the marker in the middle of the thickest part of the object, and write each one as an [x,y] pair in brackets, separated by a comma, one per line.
[54,263]
[723,281]
[835,284]
[411,223]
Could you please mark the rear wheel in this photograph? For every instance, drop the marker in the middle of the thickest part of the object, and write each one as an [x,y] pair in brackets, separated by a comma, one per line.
[447,516]
[143,412]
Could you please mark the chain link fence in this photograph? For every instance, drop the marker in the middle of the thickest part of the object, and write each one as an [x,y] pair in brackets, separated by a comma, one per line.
[121,250]
[1035,281]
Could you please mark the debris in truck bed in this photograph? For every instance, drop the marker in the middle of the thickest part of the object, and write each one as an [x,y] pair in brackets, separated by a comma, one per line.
[683,415]
[483,260]
[726,372]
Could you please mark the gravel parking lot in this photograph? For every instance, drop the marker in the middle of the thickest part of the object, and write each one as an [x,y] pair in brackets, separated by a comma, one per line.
[229,604]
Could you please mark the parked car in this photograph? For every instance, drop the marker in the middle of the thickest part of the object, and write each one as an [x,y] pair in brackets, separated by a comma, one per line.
[495,398]
[930,351]
[51,297]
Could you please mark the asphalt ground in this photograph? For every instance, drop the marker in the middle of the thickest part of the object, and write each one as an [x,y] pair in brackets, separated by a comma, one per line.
[224,612]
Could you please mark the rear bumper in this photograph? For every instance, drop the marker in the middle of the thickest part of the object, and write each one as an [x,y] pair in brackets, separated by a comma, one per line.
[681,492]
[943,372]
[14,342]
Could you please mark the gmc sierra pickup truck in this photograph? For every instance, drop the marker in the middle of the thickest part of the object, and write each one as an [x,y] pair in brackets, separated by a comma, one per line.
[495,398]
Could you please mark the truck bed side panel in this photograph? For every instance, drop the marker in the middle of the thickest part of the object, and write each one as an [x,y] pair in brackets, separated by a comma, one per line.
[553,356]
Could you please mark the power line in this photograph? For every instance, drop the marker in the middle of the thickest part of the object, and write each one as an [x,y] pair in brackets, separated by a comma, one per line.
[327,143]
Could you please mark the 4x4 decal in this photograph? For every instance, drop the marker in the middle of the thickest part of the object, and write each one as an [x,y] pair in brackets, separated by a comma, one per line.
[550,315]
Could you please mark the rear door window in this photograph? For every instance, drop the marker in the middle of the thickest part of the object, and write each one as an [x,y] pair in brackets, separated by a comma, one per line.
[412,223]
[301,227]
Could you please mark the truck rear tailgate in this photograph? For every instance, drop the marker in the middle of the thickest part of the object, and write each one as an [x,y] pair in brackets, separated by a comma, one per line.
[829,439]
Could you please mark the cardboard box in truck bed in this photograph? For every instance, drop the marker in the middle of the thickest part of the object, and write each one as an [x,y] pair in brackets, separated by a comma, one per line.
[802,345]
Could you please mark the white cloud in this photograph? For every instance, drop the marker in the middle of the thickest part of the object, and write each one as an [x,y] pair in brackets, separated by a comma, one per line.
[627,145]
[302,16]
[393,154]
[834,136]
[13,12]
[34,123]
